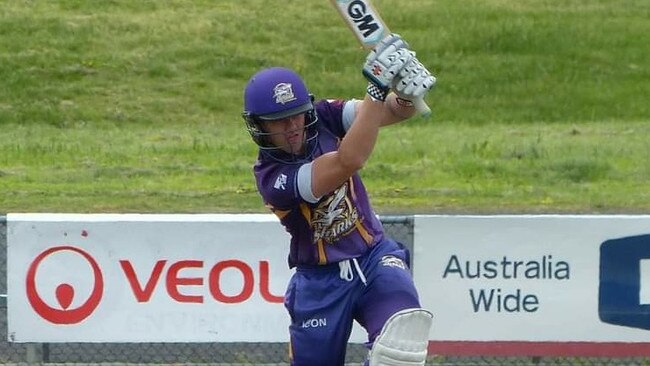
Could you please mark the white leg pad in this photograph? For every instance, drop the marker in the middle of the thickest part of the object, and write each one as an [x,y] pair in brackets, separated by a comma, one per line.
[403,340]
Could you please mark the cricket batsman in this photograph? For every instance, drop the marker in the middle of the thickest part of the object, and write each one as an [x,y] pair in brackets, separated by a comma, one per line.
[307,172]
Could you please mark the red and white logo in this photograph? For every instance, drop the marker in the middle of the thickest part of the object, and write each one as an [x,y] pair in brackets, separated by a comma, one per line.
[64,292]
[141,278]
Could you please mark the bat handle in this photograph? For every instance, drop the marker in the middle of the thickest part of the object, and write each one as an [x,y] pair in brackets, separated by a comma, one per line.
[422,107]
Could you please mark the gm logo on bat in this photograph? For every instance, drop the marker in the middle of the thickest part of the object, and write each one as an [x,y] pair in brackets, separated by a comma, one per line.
[362,15]
[624,291]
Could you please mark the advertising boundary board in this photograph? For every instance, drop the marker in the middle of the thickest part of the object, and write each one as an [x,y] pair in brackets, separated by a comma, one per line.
[145,278]
[134,278]
[580,310]
[499,347]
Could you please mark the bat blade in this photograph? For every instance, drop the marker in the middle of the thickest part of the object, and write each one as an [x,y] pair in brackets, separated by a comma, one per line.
[366,24]
[363,20]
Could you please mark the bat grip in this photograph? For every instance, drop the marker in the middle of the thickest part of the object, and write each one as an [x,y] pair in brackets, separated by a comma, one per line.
[422,107]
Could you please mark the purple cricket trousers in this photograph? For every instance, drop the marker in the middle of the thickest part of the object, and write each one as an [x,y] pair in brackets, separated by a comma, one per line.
[323,301]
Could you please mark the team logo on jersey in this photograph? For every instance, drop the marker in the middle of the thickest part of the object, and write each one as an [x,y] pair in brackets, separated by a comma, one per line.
[281,182]
[283,93]
[392,261]
[334,217]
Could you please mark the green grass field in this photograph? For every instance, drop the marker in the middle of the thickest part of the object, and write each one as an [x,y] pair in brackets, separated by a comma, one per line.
[134,106]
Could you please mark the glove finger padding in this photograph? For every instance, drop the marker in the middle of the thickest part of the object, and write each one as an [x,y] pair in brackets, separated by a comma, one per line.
[414,81]
[409,73]
[383,69]
[395,63]
[387,60]
[393,39]
[418,86]
[415,87]
[412,68]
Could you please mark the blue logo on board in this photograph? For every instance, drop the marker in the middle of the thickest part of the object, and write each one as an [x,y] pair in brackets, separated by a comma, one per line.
[624,291]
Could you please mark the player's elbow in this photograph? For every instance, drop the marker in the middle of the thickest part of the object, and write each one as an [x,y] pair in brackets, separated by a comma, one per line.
[353,164]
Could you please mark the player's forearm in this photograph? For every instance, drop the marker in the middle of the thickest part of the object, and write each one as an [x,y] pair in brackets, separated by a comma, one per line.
[360,139]
[332,169]
[396,111]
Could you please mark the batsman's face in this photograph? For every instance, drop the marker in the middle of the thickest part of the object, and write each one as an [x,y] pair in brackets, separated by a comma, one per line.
[288,133]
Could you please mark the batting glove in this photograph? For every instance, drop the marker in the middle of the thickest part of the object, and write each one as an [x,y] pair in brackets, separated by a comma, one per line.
[413,81]
[384,63]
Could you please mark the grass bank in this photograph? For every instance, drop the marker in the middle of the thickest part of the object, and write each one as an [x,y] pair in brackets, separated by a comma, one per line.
[122,106]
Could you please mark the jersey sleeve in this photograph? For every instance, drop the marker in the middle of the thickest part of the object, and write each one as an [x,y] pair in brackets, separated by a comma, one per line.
[278,184]
[349,113]
[336,115]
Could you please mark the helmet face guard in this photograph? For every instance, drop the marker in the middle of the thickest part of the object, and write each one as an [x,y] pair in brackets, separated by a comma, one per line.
[263,138]
[274,94]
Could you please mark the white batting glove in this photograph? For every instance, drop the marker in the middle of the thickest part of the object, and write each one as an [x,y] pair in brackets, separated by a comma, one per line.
[413,81]
[384,63]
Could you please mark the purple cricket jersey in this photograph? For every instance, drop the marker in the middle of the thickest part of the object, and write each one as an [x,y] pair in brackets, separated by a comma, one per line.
[342,224]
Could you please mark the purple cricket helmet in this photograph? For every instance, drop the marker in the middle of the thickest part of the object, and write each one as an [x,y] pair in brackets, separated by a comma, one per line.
[273,94]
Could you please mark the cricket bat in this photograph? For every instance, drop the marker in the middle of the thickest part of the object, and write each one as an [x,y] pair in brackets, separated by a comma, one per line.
[370,29]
